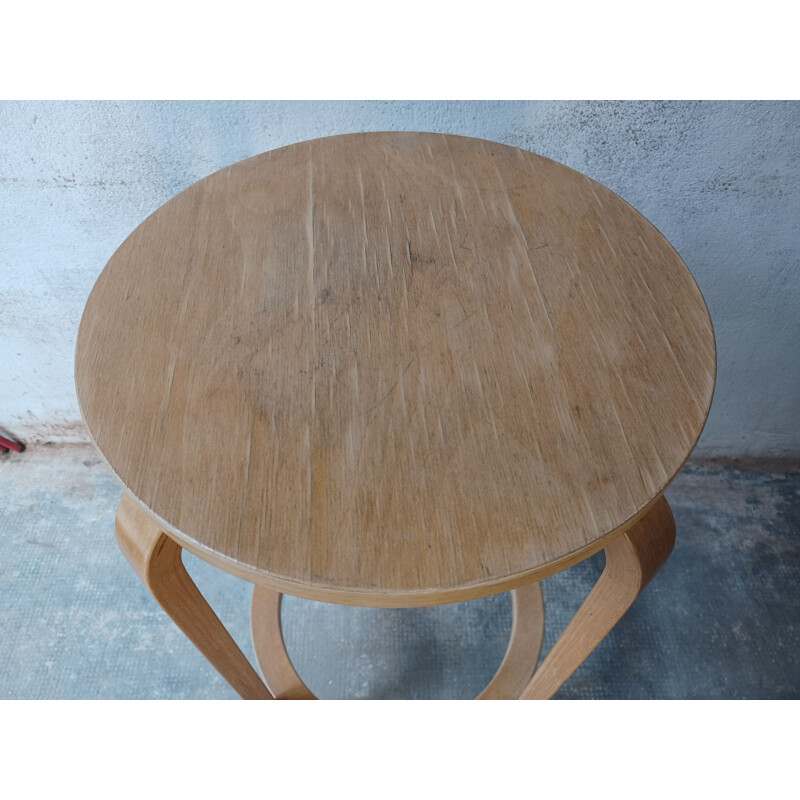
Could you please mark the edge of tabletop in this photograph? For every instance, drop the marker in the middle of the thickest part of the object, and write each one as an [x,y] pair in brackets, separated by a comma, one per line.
[391,598]
[395,598]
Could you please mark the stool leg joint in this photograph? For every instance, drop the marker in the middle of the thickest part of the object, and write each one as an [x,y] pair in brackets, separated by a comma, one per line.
[156,559]
[632,560]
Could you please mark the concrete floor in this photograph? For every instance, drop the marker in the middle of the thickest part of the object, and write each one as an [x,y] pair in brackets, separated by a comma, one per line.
[721,620]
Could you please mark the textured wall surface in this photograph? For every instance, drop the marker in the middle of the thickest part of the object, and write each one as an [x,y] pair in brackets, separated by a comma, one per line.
[720,180]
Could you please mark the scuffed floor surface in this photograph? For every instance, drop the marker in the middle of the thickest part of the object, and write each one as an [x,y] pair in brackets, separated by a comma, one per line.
[721,620]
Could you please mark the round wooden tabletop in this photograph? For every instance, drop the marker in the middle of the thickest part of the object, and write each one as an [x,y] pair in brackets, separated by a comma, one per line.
[395,369]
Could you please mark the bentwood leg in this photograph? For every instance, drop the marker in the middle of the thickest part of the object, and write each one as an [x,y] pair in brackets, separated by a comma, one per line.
[524,646]
[157,561]
[276,666]
[513,674]
[631,561]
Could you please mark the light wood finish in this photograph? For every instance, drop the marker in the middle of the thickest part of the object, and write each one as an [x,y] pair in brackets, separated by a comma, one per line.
[524,646]
[519,663]
[631,561]
[276,666]
[157,561]
[395,369]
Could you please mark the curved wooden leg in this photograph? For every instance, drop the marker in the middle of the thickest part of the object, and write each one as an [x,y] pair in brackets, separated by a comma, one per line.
[510,679]
[631,561]
[524,646]
[276,666]
[157,561]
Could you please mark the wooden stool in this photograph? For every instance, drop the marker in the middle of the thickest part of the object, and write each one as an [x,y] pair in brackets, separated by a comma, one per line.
[396,369]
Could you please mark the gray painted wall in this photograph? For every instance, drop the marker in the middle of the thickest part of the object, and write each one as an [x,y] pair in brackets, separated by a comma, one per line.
[720,180]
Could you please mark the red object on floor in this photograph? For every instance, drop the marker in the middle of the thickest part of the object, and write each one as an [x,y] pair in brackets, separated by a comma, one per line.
[10,445]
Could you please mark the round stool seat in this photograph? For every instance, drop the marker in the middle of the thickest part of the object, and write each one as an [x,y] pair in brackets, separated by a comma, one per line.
[395,369]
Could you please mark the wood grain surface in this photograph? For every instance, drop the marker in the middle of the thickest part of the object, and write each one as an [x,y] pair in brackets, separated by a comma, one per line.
[395,368]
